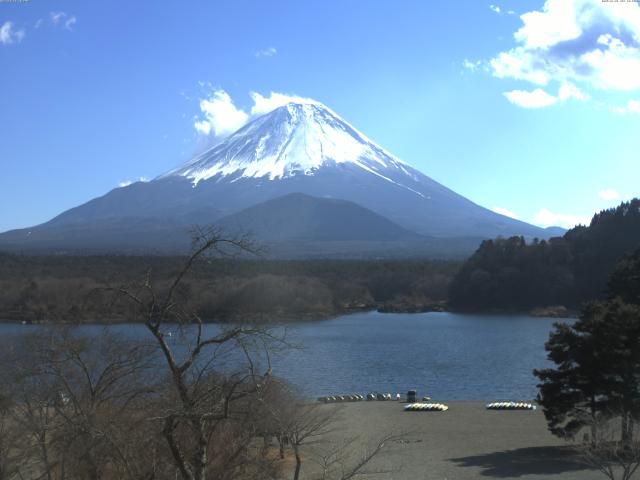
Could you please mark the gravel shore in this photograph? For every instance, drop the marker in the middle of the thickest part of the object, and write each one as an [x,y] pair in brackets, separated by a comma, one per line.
[465,442]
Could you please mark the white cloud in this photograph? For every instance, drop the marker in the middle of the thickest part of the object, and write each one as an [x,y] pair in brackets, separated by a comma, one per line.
[267,52]
[546,218]
[495,8]
[505,212]
[263,104]
[221,116]
[579,45]
[126,183]
[568,90]
[609,194]
[38,23]
[9,35]
[537,98]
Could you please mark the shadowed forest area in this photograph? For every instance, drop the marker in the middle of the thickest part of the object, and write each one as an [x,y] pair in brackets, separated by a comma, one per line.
[69,288]
[515,275]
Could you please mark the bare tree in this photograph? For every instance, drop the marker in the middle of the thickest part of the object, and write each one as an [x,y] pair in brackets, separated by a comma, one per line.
[294,421]
[338,462]
[87,406]
[205,401]
[10,460]
[75,395]
[608,453]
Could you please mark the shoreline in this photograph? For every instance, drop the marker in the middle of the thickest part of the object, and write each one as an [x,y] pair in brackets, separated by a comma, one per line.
[286,319]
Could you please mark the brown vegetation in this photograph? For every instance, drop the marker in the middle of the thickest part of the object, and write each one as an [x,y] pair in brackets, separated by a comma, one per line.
[66,288]
[185,402]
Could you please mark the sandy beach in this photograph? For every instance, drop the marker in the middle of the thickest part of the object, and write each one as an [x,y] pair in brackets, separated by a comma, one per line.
[465,442]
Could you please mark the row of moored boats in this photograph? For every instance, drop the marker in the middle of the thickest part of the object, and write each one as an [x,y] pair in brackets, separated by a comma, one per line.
[511,406]
[356,397]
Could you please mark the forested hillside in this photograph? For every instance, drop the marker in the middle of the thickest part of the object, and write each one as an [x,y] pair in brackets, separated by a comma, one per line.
[511,274]
[70,288]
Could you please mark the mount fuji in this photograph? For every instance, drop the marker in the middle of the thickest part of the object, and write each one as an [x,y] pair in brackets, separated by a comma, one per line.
[298,148]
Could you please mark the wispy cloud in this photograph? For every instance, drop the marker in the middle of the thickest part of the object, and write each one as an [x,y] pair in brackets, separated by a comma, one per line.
[9,35]
[632,106]
[546,218]
[70,22]
[592,45]
[609,194]
[505,212]
[266,52]
[63,19]
[56,17]
[495,8]
[473,66]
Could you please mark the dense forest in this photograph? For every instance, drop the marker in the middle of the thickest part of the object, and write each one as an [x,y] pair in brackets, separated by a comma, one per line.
[514,275]
[75,288]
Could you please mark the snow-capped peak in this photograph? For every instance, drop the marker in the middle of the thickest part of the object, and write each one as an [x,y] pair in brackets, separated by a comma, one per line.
[298,138]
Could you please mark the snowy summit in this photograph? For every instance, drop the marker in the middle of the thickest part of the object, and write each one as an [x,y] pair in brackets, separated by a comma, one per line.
[298,138]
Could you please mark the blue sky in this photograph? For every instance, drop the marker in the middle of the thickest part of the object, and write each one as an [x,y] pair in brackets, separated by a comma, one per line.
[532,107]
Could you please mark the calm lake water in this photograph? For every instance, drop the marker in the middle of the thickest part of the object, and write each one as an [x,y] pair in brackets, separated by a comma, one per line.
[443,355]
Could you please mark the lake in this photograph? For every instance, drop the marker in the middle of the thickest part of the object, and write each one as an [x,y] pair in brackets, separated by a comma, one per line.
[444,355]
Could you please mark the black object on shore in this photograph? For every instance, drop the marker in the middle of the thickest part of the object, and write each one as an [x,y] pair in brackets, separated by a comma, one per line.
[412,396]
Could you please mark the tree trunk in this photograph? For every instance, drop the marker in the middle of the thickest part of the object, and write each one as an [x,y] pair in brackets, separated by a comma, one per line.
[624,434]
[175,450]
[201,453]
[594,428]
[296,473]
[45,454]
[281,445]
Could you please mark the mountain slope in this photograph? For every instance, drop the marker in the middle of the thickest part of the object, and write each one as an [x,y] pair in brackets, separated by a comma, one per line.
[297,216]
[299,147]
[298,225]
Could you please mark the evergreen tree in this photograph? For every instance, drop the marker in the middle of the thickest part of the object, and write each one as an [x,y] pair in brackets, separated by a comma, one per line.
[511,274]
[624,282]
[597,361]
[576,391]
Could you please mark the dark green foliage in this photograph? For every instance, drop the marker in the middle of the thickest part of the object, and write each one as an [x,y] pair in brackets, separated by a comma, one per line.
[597,373]
[597,368]
[511,274]
[625,279]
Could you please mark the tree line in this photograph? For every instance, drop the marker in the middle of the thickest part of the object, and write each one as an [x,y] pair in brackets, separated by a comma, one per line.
[512,274]
[67,288]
